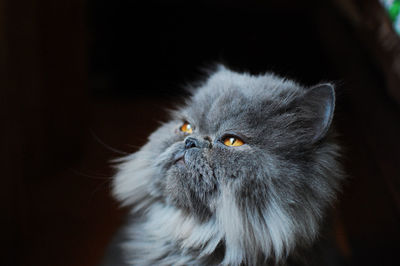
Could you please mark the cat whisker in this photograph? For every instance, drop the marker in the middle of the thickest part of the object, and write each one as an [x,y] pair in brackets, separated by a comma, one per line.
[96,177]
[107,146]
[100,186]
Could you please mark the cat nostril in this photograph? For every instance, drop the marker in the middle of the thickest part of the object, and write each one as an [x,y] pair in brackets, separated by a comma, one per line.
[208,139]
[191,143]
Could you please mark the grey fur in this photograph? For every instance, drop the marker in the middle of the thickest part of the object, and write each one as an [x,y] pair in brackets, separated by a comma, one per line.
[253,204]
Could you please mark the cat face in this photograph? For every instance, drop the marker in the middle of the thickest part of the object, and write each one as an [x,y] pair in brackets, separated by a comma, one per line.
[253,153]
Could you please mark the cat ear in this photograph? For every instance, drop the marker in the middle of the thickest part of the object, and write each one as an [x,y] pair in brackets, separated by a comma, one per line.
[321,101]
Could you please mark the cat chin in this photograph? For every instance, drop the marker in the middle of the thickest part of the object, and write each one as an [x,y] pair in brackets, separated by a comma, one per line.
[245,239]
[244,235]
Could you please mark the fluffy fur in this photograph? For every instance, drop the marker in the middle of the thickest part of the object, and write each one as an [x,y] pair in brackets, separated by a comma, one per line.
[258,203]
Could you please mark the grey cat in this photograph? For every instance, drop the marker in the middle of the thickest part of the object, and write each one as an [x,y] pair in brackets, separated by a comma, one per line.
[242,174]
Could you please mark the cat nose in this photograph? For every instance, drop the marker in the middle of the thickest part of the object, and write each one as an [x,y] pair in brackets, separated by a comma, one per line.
[191,143]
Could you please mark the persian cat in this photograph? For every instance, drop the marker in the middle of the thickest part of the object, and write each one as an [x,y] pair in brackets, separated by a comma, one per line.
[242,174]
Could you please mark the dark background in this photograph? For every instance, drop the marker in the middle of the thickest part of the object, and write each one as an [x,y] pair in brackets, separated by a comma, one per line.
[83,82]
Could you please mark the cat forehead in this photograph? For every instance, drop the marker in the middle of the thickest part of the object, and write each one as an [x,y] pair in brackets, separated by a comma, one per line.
[227,95]
[267,85]
[229,85]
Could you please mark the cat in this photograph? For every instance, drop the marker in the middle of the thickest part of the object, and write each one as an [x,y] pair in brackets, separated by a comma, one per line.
[242,174]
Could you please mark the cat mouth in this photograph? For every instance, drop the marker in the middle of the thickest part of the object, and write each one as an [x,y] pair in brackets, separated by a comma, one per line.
[179,158]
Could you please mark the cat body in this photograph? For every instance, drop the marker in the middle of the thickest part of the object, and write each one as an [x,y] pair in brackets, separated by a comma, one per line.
[242,174]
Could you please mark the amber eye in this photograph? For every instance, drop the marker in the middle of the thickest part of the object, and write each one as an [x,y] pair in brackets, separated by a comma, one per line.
[233,141]
[187,128]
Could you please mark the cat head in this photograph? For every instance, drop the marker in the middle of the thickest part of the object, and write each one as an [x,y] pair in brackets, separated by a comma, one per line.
[254,155]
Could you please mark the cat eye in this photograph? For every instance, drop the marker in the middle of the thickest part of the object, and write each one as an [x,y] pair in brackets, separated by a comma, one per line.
[231,141]
[187,128]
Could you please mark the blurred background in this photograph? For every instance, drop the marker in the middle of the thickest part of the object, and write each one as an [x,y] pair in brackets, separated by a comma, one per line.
[83,82]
